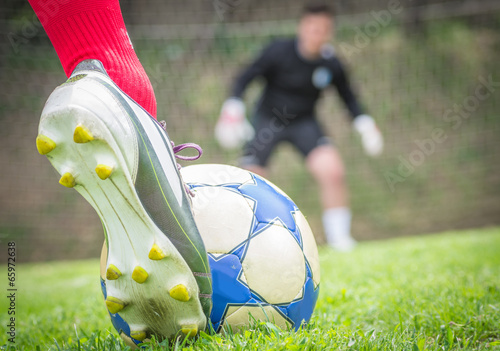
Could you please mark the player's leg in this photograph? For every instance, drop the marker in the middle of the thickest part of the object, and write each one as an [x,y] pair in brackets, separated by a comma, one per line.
[94,29]
[325,164]
[111,150]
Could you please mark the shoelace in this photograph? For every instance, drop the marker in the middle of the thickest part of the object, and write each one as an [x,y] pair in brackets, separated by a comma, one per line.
[179,148]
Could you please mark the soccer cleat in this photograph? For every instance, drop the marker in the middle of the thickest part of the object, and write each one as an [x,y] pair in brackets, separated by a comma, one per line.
[122,162]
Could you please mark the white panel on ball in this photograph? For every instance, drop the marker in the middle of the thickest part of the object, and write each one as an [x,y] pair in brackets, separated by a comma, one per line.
[214,174]
[222,233]
[274,265]
[241,316]
[309,246]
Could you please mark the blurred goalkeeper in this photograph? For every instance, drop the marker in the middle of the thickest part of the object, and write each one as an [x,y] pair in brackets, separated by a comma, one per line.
[296,71]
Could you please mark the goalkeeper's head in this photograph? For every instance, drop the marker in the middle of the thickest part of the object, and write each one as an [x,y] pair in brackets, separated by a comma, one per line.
[315,29]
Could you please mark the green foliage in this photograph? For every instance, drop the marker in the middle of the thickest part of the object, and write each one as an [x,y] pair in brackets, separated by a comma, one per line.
[438,292]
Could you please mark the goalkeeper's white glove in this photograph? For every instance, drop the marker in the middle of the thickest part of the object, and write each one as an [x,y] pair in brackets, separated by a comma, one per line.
[371,138]
[232,129]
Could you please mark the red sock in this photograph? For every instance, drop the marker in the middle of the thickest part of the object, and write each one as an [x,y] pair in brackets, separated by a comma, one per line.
[94,29]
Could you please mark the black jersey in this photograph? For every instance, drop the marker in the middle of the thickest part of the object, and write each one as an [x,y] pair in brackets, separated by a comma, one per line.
[294,84]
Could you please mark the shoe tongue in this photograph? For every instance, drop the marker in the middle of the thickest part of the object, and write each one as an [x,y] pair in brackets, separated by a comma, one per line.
[89,65]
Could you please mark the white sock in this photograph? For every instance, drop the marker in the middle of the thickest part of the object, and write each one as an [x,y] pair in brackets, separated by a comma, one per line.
[337,225]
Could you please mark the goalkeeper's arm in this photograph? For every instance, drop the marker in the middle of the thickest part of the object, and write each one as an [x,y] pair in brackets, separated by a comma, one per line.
[365,125]
[232,128]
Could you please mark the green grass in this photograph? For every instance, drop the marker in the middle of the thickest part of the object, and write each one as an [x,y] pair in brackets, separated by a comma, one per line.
[437,292]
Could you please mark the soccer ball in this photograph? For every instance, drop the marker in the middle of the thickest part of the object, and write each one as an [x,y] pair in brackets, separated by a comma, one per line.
[261,250]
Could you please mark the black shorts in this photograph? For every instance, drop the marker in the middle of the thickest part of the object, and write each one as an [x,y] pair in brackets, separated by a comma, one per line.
[305,134]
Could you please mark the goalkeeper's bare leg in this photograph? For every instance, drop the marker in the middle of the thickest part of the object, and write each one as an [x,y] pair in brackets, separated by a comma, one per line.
[325,164]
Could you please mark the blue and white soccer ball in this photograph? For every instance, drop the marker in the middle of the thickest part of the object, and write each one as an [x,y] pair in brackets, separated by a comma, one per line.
[261,250]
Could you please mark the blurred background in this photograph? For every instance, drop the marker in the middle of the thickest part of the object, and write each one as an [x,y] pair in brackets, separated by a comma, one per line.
[427,70]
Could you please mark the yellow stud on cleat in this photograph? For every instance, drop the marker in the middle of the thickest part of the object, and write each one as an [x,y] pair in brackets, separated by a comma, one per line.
[138,335]
[113,273]
[114,304]
[156,253]
[190,330]
[67,180]
[180,293]
[103,171]
[44,144]
[139,274]
[82,135]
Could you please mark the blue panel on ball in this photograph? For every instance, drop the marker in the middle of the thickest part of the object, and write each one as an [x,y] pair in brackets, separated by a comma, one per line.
[240,250]
[227,289]
[308,269]
[121,326]
[270,204]
[283,310]
[301,310]
[224,185]
[234,186]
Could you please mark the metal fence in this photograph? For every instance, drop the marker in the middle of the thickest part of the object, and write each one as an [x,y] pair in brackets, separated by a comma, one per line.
[426,70]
